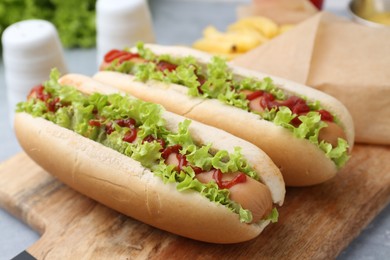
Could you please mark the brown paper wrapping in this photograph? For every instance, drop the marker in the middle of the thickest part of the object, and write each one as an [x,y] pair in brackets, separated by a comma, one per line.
[280,11]
[348,61]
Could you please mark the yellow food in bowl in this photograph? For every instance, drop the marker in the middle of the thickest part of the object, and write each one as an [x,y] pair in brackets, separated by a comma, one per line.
[240,37]
[382,18]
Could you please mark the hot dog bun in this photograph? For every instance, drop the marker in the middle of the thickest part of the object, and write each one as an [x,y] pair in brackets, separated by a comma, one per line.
[123,184]
[301,162]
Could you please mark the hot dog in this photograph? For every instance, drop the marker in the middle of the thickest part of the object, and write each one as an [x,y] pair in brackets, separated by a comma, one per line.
[308,134]
[155,166]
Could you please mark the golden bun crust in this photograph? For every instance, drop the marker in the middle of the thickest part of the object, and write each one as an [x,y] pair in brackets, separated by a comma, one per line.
[309,167]
[118,181]
[204,134]
[301,163]
[329,102]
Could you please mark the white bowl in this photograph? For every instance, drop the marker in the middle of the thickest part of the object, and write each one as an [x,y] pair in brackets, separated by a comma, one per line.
[366,12]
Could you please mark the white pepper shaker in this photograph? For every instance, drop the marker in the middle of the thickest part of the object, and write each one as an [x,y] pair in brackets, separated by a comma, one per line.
[122,23]
[31,48]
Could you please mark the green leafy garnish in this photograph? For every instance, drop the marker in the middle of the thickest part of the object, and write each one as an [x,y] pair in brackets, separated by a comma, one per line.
[74,19]
[76,111]
[219,83]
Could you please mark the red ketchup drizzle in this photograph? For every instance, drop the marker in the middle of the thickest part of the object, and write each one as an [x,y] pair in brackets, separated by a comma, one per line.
[170,149]
[94,122]
[38,93]
[325,115]
[53,105]
[130,135]
[109,129]
[197,169]
[296,104]
[254,95]
[151,138]
[182,160]
[217,176]
[165,65]
[120,55]
[128,122]
[201,81]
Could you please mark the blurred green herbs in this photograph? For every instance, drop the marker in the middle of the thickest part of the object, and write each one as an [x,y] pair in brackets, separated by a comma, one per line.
[74,19]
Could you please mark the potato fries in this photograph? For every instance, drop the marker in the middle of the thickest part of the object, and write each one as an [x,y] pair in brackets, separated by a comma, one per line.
[240,37]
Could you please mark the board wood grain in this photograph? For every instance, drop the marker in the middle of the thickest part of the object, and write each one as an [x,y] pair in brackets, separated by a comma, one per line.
[315,222]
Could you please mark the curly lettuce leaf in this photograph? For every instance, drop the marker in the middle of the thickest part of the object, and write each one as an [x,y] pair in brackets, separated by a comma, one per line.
[183,75]
[145,52]
[182,136]
[234,98]
[35,108]
[148,71]
[266,84]
[147,153]
[80,109]
[337,154]
[126,67]
[76,26]
[273,216]
[221,85]
[200,157]
[309,129]
[281,117]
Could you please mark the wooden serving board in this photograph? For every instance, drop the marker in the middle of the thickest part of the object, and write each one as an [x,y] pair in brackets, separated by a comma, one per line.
[315,222]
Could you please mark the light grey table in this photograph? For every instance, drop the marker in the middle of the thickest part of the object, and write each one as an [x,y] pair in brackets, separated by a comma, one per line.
[175,22]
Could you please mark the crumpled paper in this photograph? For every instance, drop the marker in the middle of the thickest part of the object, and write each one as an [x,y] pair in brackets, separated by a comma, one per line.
[348,61]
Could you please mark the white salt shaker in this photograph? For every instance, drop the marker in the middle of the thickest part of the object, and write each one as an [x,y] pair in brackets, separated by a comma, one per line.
[122,23]
[31,48]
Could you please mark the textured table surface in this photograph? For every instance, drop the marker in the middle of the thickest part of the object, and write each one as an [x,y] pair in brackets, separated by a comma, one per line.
[175,22]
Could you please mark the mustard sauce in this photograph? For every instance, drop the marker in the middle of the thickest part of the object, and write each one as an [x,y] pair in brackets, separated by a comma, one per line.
[382,18]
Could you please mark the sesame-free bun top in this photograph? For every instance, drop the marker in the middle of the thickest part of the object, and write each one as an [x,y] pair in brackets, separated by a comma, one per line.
[301,162]
[121,183]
